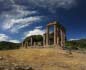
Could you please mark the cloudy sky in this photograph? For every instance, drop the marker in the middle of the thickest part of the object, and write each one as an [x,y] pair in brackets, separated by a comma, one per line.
[22,18]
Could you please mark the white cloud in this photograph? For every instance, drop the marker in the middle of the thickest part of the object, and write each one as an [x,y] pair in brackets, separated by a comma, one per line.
[16,19]
[44,3]
[14,41]
[21,11]
[53,4]
[10,23]
[38,27]
[17,28]
[4,37]
[73,39]
[16,15]
[15,24]
[17,12]
[34,32]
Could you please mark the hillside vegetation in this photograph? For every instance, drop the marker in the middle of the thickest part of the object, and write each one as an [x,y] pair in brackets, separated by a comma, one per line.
[76,44]
[9,45]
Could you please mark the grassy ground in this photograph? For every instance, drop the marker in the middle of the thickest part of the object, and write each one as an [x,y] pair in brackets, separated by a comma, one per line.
[47,58]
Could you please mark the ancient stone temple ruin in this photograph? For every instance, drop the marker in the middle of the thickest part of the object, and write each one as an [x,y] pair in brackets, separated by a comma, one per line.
[59,35]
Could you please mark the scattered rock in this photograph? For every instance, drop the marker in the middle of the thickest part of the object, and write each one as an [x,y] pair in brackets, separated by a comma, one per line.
[1,58]
[8,63]
[16,68]
[23,68]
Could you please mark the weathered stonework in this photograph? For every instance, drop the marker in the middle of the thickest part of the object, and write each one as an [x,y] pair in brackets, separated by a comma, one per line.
[59,37]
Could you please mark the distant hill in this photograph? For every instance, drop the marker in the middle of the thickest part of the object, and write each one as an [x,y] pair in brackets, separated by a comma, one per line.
[75,44]
[8,45]
[36,38]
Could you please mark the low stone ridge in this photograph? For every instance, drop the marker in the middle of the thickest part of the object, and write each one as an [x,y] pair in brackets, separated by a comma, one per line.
[15,68]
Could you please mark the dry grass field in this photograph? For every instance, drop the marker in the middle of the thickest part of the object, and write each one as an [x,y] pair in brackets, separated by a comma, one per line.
[47,58]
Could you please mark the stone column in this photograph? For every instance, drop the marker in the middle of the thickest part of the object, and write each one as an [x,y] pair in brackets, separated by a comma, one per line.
[58,37]
[34,44]
[31,41]
[22,44]
[62,39]
[44,40]
[64,36]
[47,36]
[55,35]
[26,44]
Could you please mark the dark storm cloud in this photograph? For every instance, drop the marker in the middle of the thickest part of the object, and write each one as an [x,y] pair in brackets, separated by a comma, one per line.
[51,5]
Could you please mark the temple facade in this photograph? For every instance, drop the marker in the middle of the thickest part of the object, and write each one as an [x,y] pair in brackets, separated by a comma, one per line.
[59,37]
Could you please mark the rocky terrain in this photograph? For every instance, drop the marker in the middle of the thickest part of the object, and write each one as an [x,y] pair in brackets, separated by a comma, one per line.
[42,59]
[10,63]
